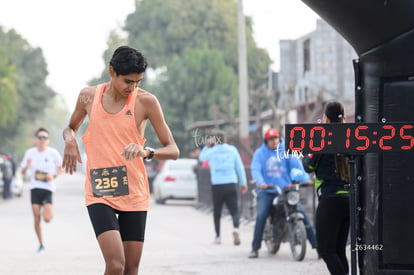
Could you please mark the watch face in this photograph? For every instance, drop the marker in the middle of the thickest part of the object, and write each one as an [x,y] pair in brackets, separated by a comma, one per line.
[356,138]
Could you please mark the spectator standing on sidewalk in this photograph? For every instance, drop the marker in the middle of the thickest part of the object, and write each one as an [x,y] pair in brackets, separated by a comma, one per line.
[271,167]
[116,185]
[226,170]
[12,159]
[45,164]
[6,168]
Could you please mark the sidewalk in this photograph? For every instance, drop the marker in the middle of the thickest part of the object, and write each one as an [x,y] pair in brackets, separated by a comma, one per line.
[178,241]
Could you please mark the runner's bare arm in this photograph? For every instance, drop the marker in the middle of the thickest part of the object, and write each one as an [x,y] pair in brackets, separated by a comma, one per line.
[156,117]
[71,153]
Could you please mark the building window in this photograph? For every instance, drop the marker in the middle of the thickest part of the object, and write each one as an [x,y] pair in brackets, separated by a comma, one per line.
[306,56]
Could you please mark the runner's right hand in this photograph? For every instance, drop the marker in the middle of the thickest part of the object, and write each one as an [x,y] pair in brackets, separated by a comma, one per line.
[71,155]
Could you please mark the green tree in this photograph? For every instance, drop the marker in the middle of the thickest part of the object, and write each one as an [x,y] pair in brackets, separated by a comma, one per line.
[33,95]
[8,93]
[195,87]
[166,28]
[114,41]
[54,119]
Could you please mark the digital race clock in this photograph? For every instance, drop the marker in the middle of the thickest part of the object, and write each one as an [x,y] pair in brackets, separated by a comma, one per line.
[352,138]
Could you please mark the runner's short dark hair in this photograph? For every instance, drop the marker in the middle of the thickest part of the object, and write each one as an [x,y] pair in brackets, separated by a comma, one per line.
[127,60]
[41,130]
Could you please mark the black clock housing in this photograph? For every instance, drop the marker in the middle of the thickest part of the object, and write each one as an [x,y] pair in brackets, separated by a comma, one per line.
[350,138]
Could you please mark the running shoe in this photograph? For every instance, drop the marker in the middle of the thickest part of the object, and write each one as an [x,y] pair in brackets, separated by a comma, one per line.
[217,240]
[236,238]
[253,254]
[41,248]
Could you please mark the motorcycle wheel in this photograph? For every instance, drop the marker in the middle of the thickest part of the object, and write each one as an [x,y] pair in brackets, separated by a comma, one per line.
[272,247]
[297,239]
[269,240]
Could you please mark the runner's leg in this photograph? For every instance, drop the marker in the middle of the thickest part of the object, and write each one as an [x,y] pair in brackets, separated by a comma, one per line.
[47,212]
[132,227]
[133,252]
[106,227]
[36,214]
[113,252]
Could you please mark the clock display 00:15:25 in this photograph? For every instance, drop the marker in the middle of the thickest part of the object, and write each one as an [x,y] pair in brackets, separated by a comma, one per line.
[350,137]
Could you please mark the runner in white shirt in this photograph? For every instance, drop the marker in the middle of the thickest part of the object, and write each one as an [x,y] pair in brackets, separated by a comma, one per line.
[45,164]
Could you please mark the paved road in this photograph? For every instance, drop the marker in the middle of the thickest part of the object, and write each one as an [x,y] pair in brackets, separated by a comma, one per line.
[178,241]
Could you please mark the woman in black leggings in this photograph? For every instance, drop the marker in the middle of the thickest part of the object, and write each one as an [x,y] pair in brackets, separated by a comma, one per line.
[332,215]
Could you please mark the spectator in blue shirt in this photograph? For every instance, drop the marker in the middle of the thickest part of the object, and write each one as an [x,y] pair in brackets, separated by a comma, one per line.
[271,166]
[226,170]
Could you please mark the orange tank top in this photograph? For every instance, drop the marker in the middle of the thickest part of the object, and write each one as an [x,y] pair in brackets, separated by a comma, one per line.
[110,179]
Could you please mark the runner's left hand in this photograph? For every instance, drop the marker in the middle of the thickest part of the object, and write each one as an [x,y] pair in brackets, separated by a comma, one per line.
[132,151]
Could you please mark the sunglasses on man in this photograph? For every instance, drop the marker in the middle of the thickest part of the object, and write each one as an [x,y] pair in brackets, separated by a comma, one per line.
[42,137]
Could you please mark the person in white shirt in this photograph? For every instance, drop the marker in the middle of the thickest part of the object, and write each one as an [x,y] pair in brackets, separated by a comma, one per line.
[45,164]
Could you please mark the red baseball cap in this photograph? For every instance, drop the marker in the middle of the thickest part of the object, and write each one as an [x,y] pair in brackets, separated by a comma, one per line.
[271,133]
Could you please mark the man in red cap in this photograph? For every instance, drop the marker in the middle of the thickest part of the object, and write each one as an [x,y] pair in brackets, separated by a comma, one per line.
[271,167]
[272,134]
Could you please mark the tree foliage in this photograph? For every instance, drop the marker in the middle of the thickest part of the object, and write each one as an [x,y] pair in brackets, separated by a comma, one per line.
[28,67]
[113,42]
[196,87]
[8,93]
[166,28]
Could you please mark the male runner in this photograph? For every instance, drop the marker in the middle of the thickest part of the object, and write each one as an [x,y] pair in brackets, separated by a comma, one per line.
[45,164]
[116,181]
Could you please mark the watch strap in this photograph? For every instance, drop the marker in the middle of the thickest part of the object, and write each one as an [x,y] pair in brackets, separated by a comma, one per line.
[151,154]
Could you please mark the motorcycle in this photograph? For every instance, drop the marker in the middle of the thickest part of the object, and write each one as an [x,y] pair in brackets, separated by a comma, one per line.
[285,222]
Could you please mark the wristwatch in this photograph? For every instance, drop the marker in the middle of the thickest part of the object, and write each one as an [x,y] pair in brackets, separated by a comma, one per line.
[151,154]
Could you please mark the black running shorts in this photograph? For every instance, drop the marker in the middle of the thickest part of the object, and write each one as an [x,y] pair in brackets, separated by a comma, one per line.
[131,224]
[40,196]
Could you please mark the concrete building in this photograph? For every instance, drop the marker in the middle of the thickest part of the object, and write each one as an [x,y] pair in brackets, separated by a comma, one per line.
[316,67]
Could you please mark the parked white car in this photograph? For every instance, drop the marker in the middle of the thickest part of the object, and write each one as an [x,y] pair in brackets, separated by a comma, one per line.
[176,180]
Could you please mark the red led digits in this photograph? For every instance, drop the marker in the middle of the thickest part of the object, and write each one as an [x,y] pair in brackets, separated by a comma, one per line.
[387,137]
[406,137]
[292,135]
[359,137]
[348,134]
[312,134]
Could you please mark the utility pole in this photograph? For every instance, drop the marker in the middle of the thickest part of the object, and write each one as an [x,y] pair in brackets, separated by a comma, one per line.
[243,96]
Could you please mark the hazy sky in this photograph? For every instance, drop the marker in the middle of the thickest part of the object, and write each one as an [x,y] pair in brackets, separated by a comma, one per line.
[73,34]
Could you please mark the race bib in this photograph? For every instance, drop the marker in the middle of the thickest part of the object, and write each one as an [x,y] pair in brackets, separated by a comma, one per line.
[109,182]
[40,176]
